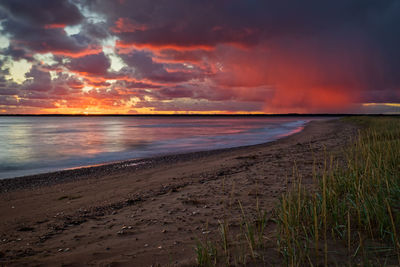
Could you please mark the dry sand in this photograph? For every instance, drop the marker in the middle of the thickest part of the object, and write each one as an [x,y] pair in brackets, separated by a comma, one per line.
[151,213]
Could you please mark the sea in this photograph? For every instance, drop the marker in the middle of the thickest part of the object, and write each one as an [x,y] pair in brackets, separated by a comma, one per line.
[39,144]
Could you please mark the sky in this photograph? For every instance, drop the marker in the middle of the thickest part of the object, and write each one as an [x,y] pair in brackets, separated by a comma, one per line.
[199,56]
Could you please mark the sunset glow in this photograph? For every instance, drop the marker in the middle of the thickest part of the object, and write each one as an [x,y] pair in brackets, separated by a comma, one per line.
[212,57]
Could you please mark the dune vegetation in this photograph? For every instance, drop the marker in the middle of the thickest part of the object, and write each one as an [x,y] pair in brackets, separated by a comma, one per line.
[349,216]
[354,214]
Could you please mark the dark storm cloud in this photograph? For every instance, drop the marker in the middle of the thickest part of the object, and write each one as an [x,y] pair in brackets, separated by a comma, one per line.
[139,85]
[177,92]
[8,88]
[38,26]
[191,56]
[381,96]
[97,64]
[26,38]
[38,80]
[16,53]
[209,22]
[42,12]
[145,67]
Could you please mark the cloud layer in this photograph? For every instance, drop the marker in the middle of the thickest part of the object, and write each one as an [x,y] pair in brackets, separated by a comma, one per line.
[100,56]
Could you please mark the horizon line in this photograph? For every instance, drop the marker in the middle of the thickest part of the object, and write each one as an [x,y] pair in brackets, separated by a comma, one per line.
[200,114]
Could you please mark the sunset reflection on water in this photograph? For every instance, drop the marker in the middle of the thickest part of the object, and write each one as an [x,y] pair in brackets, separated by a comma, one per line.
[39,144]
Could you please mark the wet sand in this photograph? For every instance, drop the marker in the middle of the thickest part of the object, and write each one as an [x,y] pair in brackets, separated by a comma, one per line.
[149,212]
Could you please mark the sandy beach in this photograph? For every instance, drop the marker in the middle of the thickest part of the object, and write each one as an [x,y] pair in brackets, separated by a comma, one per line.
[150,212]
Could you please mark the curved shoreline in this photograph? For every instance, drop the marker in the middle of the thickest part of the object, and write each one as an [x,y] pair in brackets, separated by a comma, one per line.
[148,214]
[85,172]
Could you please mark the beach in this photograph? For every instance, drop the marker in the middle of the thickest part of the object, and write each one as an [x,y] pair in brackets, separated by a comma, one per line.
[149,212]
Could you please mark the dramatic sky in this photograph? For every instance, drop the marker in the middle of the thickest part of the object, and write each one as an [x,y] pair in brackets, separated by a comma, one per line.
[199,56]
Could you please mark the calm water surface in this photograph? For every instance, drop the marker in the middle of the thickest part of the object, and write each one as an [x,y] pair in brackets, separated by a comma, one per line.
[31,145]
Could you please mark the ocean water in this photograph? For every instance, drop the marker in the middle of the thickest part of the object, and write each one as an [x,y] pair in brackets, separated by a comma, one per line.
[32,145]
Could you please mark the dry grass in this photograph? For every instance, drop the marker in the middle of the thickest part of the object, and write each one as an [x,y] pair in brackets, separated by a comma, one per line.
[235,247]
[354,215]
[351,218]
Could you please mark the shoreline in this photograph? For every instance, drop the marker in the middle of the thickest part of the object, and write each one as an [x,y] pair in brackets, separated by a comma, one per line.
[82,172]
[142,216]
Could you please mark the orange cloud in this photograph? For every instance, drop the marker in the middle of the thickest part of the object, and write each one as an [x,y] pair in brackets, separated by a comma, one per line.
[125,45]
[126,25]
[294,80]
[54,26]
[91,50]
